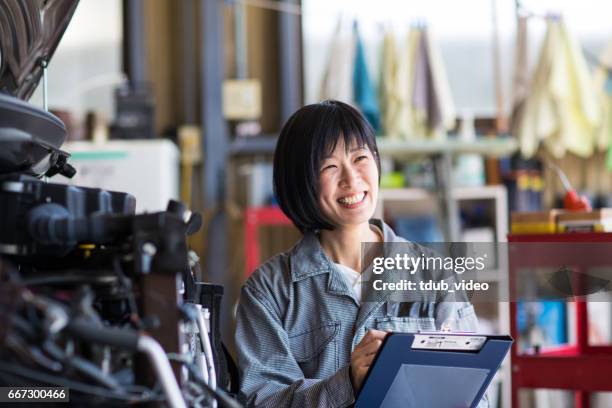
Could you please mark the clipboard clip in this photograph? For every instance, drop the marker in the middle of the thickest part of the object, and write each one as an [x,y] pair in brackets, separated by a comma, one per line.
[448,342]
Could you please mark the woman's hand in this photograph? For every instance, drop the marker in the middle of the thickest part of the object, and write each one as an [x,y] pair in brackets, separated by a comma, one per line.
[362,356]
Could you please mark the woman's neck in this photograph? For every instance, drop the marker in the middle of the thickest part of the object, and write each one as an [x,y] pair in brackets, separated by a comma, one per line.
[343,244]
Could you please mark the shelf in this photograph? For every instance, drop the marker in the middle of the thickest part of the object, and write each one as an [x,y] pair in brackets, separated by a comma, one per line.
[458,193]
[495,193]
[479,193]
[491,147]
[563,237]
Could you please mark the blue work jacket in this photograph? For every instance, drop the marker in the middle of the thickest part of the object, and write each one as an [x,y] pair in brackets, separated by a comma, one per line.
[298,322]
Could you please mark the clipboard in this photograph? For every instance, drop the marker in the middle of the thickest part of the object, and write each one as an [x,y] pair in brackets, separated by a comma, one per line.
[437,369]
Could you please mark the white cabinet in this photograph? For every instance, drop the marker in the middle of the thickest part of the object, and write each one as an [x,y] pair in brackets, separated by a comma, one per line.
[147,169]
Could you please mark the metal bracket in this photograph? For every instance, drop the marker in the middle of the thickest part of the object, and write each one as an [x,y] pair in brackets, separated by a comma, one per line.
[43,64]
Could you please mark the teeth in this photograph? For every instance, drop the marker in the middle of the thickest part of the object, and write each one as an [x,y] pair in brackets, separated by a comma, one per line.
[352,199]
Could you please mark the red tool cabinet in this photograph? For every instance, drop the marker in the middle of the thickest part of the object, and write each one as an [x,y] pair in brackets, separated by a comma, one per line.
[579,367]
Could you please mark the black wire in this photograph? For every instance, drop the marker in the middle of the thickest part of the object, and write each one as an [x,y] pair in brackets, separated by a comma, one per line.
[30,353]
[31,315]
[86,367]
[127,283]
[22,325]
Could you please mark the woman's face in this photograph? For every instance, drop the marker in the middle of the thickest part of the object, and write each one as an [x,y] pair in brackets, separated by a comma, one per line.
[348,181]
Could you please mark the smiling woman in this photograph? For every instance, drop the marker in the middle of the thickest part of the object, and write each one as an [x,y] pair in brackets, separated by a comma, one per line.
[304,337]
[316,147]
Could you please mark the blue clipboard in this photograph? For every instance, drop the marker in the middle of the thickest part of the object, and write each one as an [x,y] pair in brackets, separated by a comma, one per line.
[438,369]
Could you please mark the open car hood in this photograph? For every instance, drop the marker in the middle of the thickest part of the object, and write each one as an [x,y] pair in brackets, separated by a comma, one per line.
[30,138]
[30,31]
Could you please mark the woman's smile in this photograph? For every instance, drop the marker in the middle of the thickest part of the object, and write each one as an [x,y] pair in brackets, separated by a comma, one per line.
[353,200]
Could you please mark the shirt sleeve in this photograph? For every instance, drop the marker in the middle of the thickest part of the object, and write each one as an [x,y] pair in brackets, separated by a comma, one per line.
[269,374]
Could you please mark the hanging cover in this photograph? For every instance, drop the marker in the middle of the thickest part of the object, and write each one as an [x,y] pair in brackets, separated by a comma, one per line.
[562,110]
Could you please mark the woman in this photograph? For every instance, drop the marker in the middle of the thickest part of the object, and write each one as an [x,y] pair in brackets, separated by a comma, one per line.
[303,336]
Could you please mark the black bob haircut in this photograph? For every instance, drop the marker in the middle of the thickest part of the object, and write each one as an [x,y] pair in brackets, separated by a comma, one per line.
[309,135]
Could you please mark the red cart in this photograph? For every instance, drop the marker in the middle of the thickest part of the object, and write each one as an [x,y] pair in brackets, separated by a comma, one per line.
[580,367]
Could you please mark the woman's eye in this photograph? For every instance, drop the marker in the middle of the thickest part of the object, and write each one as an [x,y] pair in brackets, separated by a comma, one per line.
[331,166]
[361,158]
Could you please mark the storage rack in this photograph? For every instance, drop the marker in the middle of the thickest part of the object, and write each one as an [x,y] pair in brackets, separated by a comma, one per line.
[580,367]
[442,153]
